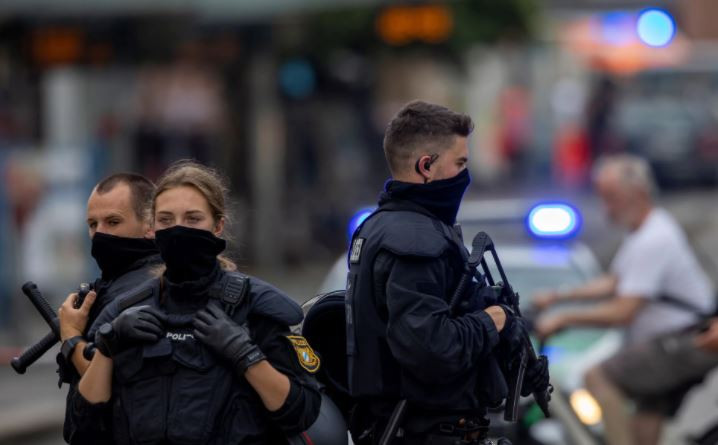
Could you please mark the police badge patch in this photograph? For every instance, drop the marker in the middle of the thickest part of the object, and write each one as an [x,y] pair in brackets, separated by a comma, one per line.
[307,358]
[356,250]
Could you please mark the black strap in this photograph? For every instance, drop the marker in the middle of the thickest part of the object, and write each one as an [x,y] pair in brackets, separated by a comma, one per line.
[683,304]
[132,300]
[453,234]
[232,290]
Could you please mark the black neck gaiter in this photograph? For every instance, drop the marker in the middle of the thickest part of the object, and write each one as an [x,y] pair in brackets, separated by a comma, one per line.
[188,253]
[115,254]
[442,198]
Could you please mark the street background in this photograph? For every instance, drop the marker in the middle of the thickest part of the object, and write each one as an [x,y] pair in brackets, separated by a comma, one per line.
[290,98]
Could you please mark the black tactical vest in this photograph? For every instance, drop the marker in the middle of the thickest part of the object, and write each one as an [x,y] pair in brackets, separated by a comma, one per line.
[407,230]
[403,229]
[176,391]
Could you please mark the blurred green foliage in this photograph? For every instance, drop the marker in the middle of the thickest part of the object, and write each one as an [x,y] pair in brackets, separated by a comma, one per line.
[490,21]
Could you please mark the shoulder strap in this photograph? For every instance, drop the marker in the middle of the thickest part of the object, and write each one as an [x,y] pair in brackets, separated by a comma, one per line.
[682,304]
[453,234]
[132,299]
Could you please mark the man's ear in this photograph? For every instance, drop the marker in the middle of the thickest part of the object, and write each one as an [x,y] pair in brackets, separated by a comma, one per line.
[423,167]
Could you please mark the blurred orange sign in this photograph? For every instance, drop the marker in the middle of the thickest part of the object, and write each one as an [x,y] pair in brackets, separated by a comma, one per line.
[57,45]
[401,25]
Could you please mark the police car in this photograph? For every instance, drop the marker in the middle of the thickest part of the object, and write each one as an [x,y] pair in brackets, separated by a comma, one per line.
[538,248]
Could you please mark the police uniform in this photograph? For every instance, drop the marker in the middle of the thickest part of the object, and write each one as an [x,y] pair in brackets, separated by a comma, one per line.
[107,288]
[402,342]
[175,391]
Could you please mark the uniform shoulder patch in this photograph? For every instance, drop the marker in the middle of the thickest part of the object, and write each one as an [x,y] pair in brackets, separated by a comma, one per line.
[307,358]
[356,250]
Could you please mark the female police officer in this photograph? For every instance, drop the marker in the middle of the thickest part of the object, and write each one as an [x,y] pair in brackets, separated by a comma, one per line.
[202,354]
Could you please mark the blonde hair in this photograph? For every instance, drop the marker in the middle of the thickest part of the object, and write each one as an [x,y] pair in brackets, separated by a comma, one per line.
[208,181]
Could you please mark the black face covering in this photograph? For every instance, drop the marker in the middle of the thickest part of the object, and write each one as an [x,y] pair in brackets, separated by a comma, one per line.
[115,254]
[442,198]
[189,254]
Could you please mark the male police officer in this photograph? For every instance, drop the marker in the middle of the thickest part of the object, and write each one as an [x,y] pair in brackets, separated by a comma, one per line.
[118,222]
[405,263]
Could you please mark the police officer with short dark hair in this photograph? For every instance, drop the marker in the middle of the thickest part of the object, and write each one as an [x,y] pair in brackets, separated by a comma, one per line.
[118,223]
[405,262]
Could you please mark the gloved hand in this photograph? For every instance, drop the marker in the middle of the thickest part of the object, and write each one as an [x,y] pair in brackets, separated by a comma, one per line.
[134,325]
[513,336]
[214,328]
[536,378]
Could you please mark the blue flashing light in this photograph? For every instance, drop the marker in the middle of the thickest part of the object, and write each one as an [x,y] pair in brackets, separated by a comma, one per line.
[553,221]
[655,27]
[357,219]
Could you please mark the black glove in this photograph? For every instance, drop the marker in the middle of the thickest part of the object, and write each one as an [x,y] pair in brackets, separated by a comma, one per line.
[513,335]
[214,328]
[536,378]
[134,325]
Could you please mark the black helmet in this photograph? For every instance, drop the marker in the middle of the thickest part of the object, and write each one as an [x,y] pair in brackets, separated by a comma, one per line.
[325,329]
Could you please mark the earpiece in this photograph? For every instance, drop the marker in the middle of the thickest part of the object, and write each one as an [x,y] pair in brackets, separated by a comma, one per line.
[426,164]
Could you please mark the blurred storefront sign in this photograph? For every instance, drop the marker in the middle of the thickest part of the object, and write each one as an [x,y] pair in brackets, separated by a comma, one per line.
[400,25]
[57,45]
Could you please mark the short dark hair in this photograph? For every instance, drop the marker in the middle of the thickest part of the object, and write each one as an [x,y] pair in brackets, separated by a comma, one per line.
[141,191]
[421,125]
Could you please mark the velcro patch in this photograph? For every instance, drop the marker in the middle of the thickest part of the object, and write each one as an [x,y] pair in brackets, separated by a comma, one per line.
[356,250]
[307,358]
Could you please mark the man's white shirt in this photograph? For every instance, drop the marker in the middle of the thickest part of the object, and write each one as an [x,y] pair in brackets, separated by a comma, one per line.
[656,261]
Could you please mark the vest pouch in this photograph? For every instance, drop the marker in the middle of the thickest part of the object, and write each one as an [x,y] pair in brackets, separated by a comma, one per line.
[244,419]
[120,426]
[199,392]
[143,374]
[492,386]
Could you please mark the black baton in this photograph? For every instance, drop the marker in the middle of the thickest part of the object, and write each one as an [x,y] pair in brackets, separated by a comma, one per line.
[34,352]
